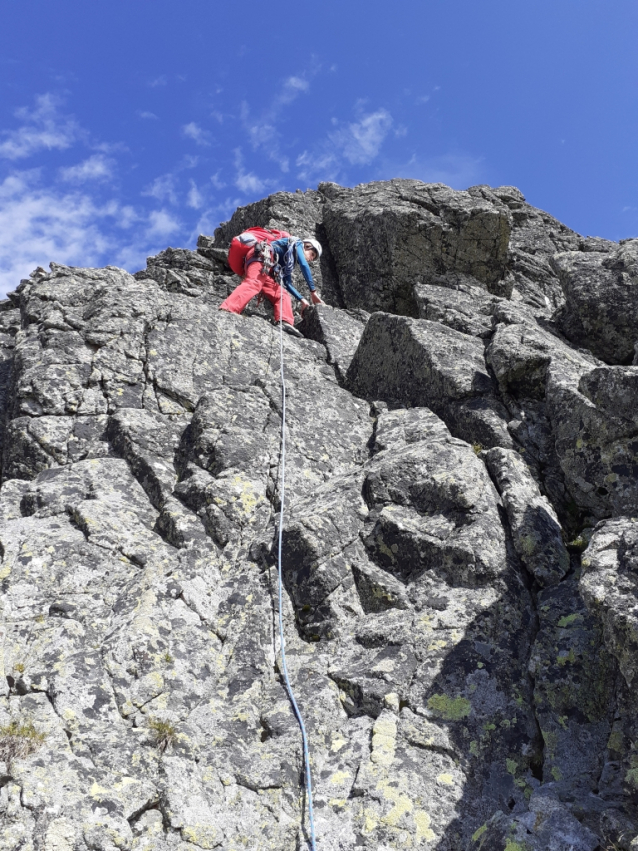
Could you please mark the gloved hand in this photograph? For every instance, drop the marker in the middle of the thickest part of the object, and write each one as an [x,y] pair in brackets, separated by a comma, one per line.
[316,298]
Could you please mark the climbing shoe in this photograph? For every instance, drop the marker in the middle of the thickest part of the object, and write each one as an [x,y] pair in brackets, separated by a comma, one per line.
[290,329]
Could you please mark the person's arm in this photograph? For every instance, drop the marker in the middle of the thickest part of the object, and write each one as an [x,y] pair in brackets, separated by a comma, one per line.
[303,265]
[279,246]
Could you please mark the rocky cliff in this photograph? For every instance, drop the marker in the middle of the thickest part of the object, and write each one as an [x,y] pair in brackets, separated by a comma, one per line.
[460,546]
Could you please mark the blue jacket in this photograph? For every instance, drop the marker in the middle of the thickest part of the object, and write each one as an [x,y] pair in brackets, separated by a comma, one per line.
[280,247]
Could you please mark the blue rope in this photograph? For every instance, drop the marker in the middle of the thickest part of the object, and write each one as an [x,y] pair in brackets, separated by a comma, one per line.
[282,643]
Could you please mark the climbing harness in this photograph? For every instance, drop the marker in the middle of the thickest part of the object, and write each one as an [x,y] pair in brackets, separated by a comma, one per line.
[282,643]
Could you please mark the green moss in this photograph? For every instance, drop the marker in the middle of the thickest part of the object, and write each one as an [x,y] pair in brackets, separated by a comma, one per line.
[568,620]
[476,836]
[449,708]
[564,659]
[475,749]
[19,667]
[615,741]
[167,658]
[512,766]
[556,773]
[477,447]
[511,845]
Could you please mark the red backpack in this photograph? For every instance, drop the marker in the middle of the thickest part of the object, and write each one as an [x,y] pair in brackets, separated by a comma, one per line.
[246,241]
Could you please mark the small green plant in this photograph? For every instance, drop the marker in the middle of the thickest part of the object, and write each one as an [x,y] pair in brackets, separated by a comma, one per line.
[477,447]
[19,667]
[19,739]
[579,543]
[167,658]
[164,732]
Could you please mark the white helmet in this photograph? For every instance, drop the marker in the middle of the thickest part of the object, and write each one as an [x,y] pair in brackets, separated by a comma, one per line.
[315,244]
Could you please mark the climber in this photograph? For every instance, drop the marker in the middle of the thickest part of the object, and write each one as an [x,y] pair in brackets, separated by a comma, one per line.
[267,263]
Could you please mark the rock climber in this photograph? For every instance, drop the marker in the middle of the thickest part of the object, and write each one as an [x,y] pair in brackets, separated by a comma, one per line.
[266,264]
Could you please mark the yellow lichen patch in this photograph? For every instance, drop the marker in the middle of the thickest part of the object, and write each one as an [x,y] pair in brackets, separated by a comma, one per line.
[203,835]
[340,777]
[437,645]
[449,708]
[402,805]
[423,829]
[98,791]
[445,780]
[384,734]
[338,742]
[371,820]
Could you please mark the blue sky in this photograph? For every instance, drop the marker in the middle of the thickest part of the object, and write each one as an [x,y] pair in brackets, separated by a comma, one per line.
[130,125]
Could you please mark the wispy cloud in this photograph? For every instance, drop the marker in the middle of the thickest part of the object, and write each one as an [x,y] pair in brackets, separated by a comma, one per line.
[163,188]
[158,81]
[262,128]
[43,128]
[149,116]
[217,182]
[246,181]
[194,199]
[194,131]
[98,167]
[361,141]
[249,183]
[40,223]
[162,224]
[357,143]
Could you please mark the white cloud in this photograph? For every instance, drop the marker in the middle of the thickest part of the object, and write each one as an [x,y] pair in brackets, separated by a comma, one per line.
[43,128]
[158,81]
[249,183]
[217,182]
[97,167]
[162,224]
[40,223]
[147,115]
[194,199]
[361,141]
[194,131]
[162,188]
[358,143]
[262,128]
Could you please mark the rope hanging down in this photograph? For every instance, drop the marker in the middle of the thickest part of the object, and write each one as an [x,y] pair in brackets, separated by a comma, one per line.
[282,643]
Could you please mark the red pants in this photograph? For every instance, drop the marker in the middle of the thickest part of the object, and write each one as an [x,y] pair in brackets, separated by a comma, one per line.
[255,281]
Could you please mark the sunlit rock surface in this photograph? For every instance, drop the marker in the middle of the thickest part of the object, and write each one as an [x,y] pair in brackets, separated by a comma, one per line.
[460,551]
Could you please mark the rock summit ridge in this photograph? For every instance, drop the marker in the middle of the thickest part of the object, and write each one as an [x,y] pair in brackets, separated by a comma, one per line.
[460,545]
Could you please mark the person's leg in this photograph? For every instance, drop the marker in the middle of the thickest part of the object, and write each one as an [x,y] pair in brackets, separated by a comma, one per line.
[273,292]
[249,287]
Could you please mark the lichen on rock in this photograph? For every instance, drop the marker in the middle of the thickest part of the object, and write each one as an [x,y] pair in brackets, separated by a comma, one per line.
[459,539]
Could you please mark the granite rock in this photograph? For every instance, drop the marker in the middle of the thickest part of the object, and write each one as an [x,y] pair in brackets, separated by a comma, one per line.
[458,540]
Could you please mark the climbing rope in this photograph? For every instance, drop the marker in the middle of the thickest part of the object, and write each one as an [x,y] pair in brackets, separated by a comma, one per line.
[282,643]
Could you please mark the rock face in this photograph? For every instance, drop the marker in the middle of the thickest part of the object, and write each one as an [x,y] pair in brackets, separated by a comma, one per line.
[460,544]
